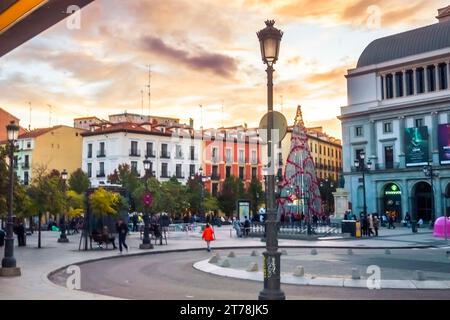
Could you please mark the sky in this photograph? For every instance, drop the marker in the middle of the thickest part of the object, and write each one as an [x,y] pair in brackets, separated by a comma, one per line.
[202,52]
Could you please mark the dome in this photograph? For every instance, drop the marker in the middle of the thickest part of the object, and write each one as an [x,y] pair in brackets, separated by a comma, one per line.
[417,41]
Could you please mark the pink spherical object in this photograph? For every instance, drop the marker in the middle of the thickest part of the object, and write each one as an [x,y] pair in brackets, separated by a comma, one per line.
[439,227]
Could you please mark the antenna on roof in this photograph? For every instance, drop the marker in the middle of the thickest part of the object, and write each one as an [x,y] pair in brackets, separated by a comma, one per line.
[142,101]
[29,124]
[149,87]
[49,115]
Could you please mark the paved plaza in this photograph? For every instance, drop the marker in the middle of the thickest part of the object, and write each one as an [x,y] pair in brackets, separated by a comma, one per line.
[38,264]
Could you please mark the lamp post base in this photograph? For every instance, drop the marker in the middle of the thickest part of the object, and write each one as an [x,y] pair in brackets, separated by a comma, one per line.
[270,294]
[145,246]
[10,272]
[63,240]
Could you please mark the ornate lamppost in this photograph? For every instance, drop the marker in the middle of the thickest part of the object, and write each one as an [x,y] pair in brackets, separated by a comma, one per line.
[147,201]
[270,38]
[63,237]
[430,172]
[9,268]
[327,186]
[361,166]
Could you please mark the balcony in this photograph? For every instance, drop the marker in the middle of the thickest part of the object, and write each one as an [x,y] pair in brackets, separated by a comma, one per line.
[193,157]
[165,175]
[215,159]
[165,155]
[179,175]
[391,166]
[241,161]
[255,162]
[101,174]
[228,160]
[134,153]
[25,166]
[101,154]
[150,153]
[215,176]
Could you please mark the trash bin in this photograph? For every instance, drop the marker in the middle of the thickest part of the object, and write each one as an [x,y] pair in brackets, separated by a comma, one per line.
[349,226]
[2,238]
[414,226]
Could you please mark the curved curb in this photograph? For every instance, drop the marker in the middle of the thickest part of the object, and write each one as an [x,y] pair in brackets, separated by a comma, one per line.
[207,267]
[46,276]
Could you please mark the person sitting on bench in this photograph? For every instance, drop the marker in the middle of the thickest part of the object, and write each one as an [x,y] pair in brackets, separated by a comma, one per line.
[108,238]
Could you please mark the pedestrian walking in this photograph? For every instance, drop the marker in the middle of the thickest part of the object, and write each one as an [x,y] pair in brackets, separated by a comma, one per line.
[237,227]
[208,236]
[376,225]
[371,226]
[122,230]
[391,220]
[20,231]
[246,226]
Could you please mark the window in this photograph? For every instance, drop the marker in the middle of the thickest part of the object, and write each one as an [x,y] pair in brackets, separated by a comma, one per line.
[215,188]
[358,153]
[418,122]
[241,156]
[359,131]
[134,149]
[178,171]
[192,170]
[387,127]
[389,157]
[164,152]
[179,152]
[389,86]
[382,87]
[228,171]
[443,82]
[320,149]
[228,155]
[134,165]
[215,173]
[164,172]
[89,170]
[431,78]
[253,156]
[420,80]
[409,82]
[241,173]
[28,144]
[192,152]
[315,148]
[254,173]
[215,154]
[27,161]
[149,152]
[101,151]
[399,84]
[26,178]
[101,172]
[89,153]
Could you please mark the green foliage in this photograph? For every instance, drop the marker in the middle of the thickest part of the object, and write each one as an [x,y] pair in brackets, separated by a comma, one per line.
[129,180]
[211,204]
[104,202]
[255,194]
[75,203]
[173,197]
[154,188]
[232,190]
[79,181]
[194,193]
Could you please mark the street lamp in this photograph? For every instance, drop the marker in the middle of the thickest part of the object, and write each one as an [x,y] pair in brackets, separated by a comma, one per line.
[63,237]
[269,39]
[327,186]
[361,166]
[429,171]
[9,268]
[147,200]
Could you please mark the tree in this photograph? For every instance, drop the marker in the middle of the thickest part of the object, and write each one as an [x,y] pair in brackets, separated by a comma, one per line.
[129,180]
[194,193]
[79,181]
[75,204]
[46,194]
[104,202]
[211,203]
[255,194]
[154,187]
[173,197]
[232,191]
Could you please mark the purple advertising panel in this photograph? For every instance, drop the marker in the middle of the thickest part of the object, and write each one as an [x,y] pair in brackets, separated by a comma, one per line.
[444,143]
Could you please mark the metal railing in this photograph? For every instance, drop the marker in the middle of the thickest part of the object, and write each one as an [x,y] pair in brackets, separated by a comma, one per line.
[134,153]
[297,229]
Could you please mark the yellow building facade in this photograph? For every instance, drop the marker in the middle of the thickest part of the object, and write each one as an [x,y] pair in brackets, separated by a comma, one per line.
[55,148]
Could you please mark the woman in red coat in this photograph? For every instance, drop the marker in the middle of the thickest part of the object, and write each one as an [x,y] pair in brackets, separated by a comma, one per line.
[208,235]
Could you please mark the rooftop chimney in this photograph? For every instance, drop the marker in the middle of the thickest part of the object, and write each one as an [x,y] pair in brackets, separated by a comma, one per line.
[444,14]
[191,122]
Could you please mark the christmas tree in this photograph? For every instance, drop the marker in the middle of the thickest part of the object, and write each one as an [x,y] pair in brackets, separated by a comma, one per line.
[299,189]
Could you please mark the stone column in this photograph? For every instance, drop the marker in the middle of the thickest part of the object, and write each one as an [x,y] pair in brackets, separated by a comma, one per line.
[401,137]
[436,72]
[385,86]
[405,198]
[394,85]
[448,75]
[373,143]
[414,81]
[425,73]
[404,82]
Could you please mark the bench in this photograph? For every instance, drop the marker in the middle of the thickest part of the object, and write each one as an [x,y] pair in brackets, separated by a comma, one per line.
[101,239]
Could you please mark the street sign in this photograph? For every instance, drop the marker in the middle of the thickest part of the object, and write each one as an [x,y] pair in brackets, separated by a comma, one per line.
[279,123]
[148,199]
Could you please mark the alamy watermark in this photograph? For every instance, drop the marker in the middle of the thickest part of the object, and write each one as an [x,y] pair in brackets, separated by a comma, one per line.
[374,20]
[73,281]
[74,20]
[374,280]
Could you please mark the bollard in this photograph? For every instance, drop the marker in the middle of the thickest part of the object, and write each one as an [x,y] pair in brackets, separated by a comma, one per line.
[314,252]
[350,252]
[299,271]
[225,264]
[356,274]
[419,275]
[254,253]
[252,267]
[231,254]
[387,251]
